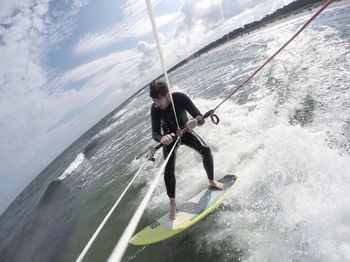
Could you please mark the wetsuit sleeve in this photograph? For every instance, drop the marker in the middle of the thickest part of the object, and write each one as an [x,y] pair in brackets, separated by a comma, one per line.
[156,127]
[193,110]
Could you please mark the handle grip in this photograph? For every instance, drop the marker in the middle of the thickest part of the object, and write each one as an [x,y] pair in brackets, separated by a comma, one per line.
[214,118]
[153,150]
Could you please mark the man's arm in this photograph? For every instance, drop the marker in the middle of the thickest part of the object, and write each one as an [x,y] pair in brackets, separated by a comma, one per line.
[193,110]
[156,128]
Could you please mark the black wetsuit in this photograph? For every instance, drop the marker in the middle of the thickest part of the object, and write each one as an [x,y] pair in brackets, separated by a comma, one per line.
[165,119]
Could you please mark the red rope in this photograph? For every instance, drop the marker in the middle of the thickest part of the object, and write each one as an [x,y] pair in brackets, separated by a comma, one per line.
[279,50]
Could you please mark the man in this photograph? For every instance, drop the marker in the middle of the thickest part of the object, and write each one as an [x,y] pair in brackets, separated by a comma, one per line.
[163,117]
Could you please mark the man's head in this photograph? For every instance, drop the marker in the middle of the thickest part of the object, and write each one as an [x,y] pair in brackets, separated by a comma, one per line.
[159,92]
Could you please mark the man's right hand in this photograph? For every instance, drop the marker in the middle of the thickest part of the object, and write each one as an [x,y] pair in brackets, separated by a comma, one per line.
[167,139]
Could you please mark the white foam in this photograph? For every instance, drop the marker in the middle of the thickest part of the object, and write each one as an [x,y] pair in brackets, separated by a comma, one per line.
[119,113]
[72,167]
[292,200]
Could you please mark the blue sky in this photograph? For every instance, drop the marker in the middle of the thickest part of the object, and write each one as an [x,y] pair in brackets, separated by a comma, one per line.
[66,64]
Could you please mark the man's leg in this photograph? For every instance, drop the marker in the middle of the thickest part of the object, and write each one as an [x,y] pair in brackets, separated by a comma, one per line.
[169,179]
[194,141]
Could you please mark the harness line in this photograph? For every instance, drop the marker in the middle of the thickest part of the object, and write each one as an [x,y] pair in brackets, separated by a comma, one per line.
[92,239]
[122,244]
[123,241]
[161,56]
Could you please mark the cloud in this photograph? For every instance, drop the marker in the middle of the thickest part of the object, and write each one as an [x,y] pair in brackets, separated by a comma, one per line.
[150,56]
[31,101]
[61,18]
[20,80]
[27,103]
[202,22]
[99,65]
[7,7]
[207,13]
[134,24]
[199,23]
[214,13]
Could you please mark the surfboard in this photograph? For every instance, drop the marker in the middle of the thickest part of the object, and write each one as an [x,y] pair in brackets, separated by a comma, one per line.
[189,213]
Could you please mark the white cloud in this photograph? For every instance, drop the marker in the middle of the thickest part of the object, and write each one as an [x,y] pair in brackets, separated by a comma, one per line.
[150,56]
[94,67]
[212,14]
[205,21]
[198,24]
[7,7]
[30,102]
[134,24]
[61,20]
[27,104]
[21,79]
[205,12]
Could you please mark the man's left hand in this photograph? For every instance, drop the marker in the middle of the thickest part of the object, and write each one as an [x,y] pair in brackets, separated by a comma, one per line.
[191,124]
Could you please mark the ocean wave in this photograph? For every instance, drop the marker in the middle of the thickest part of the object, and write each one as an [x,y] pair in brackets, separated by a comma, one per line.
[91,148]
[72,167]
[107,130]
[50,191]
[123,116]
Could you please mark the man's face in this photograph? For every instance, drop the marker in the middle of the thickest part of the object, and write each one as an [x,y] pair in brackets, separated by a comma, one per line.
[162,102]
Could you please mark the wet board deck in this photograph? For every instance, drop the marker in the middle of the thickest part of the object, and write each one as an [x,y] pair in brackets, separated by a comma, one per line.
[189,213]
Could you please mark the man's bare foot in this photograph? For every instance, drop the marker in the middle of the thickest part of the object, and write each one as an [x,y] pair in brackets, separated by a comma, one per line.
[173,209]
[216,184]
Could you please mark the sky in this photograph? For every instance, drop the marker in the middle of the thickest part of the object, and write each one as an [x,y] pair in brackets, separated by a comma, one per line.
[64,65]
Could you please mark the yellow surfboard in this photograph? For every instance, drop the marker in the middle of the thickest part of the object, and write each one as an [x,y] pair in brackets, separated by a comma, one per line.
[190,212]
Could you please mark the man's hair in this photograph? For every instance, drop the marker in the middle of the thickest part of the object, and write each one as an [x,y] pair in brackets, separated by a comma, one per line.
[158,88]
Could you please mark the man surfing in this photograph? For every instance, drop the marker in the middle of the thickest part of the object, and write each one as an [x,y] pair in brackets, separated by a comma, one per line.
[162,116]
